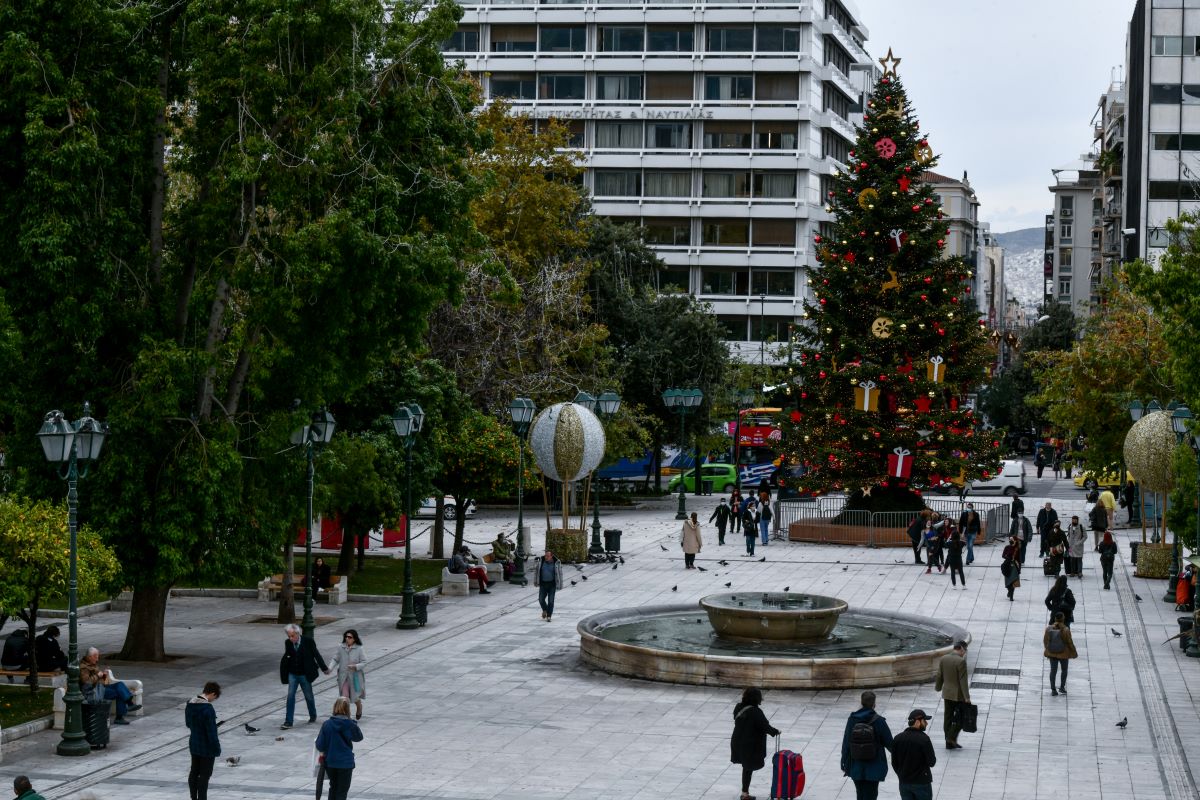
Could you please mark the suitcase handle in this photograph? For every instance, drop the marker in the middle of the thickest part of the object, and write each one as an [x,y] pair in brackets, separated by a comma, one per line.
[778,737]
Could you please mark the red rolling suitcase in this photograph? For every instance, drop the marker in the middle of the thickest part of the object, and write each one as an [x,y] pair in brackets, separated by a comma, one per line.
[787,774]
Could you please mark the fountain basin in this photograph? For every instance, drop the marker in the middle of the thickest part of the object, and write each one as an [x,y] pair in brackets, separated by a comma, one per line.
[675,644]
[773,616]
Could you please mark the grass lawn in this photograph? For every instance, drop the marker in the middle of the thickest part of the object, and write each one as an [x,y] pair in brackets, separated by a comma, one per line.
[18,705]
[60,603]
[386,575]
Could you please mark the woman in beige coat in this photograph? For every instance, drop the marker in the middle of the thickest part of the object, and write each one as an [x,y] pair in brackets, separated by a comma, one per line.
[690,541]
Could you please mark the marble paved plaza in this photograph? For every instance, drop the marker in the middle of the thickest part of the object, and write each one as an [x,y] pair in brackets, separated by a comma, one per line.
[490,702]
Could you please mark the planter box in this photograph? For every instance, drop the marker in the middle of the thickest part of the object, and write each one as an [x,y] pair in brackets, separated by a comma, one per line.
[1153,561]
[570,545]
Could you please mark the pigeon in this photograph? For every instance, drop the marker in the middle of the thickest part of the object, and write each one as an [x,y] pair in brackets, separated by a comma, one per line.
[702,569]
[899,561]
[723,563]
[233,761]
[787,588]
[729,584]
[615,566]
[579,567]
[1115,632]
[584,577]
[845,568]
[1137,597]
[675,588]
[621,559]
[660,547]
[279,738]
[250,729]
[1124,721]
[574,583]
[761,560]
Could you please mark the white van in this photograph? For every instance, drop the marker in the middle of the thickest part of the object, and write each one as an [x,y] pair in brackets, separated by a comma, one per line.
[1010,481]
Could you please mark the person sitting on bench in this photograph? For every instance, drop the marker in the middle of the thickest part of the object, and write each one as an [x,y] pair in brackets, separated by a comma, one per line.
[101,684]
[464,563]
[50,657]
[502,553]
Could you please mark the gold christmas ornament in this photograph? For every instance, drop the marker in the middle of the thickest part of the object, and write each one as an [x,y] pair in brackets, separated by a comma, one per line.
[881,328]
[867,197]
[1148,448]
[889,64]
[923,154]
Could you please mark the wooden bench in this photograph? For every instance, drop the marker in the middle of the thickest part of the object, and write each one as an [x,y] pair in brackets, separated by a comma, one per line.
[44,678]
[60,705]
[336,594]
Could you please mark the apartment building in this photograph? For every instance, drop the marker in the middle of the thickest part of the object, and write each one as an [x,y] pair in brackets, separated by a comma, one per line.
[1072,235]
[1109,146]
[960,208]
[714,126]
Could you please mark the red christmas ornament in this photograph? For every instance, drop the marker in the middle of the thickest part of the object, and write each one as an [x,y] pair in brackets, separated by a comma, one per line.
[821,374]
[817,239]
[925,298]
[928,279]
[907,368]
[885,147]
[923,404]
[795,416]
[916,208]
[904,183]
[850,258]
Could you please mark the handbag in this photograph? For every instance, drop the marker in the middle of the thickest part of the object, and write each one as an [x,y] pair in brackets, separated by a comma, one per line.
[968,717]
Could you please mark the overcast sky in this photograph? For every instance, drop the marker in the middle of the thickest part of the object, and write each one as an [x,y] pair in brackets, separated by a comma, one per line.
[1005,90]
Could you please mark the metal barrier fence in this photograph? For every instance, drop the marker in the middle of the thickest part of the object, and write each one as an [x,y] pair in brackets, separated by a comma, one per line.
[825,520]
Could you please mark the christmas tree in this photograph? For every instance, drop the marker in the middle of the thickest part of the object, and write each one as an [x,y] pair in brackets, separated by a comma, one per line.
[893,342]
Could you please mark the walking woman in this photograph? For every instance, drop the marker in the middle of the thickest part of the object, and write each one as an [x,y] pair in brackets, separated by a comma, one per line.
[1061,600]
[748,527]
[933,547]
[748,744]
[954,558]
[1010,567]
[690,541]
[203,743]
[1060,649]
[335,748]
[350,662]
[1108,556]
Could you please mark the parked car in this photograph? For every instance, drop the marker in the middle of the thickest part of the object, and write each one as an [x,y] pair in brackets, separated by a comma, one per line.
[722,476]
[1091,479]
[449,511]
[1009,481]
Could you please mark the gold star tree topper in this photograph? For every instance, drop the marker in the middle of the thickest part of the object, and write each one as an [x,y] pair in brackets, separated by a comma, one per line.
[889,64]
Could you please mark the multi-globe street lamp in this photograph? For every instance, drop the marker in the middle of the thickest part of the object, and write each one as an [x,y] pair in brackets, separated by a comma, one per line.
[683,401]
[520,411]
[313,436]
[407,420]
[605,408]
[75,445]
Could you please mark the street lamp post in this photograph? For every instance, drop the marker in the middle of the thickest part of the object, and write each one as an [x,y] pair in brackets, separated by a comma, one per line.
[1181,421]
[407,421]
[1136,410]
[606,406]
[72,444]
[743,400]
[316,434]
[521,411]
[683,401]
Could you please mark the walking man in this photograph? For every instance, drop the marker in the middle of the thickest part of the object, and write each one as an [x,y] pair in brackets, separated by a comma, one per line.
[866,738]
[913,758]
[916,530]
[548,578]
[1018,509]
[721,515]
[1024,532]
[203,744]
[764,517]
[1045,522]
[952,683]
[298,669]
[969,524]
[1109,502]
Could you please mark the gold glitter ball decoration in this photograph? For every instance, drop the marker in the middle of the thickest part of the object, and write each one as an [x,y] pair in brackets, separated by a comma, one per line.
[1148,448]
[567,441]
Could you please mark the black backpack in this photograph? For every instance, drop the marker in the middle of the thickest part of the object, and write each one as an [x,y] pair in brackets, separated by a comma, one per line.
[862,740]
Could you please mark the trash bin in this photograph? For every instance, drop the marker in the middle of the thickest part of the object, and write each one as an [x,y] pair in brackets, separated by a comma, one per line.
[1185,625]
[421,607]
[706,487]
[612,540]
[1133,547]
[95,724]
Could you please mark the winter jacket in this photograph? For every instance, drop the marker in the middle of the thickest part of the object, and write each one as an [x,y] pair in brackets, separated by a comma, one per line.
[1098,517]
[875,769]
[303,660]
[30,794]
[690,538]
[721,515]
[1065,633]
[913,757]
[356,678]
[1108,552]
[336,741]
[1046,520]
[1064,603]
[1076,541]
[748,744]
[952,678]
[537,572]
[201,721]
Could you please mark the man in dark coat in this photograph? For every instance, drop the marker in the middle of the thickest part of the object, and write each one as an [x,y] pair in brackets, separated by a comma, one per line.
[913,758]
[1045,521]
[915,531]
[50,657]
[866,774]
[299,668]
[721,515]
[16,650]
[970,525]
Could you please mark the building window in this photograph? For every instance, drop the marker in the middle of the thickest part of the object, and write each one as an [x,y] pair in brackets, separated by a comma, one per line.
[1066,206]
[673,280]
[770,329]
[726,135]
[515,87]
[626,135]
[667,232]
[726,184]
[735,327]
[1176,141]
[618,182]
[775,136]
[514,38]
[719,281]
[614,39]
[668,183]
[1158,237]
[1174,94]
[836,56]
[778,38]
[834,146]
[553,39]
[775,185]
[826,189]
[670,39]
[1172,190]
[836,102]
[729,39]
[574,128]
[1065,232]
[774,233]
[776,86]
[669,86]
[1064,257]
[1064,287]
[669,135]
[774,284]
[836,12]
[618,87]
[1173,45]
[463,40]
[728,87]
[560,87]
[727,232]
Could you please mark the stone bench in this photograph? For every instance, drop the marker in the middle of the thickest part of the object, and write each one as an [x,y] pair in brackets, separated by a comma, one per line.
[457,584]
[60,705]
[337,594]
[44,678]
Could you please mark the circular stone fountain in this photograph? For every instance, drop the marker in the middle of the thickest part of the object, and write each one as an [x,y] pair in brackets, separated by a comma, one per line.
[770,640]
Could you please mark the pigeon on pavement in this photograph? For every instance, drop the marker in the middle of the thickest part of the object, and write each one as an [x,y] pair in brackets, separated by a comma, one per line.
[787,588]
[723,563]
[1137,597]
[764,558]
[702,569]
[1124,721]
[250,729]
[574,583]
[584,577]
[615,566]
[729,584]
[675,588]
[660,547]
[1115,632]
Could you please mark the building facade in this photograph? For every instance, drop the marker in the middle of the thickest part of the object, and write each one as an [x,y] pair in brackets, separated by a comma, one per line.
[714,127]
[1073,239]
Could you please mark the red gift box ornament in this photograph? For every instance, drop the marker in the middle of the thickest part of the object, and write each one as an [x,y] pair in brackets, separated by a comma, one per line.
[936,370]
[866,397]
[896,239]
[899,463]
[923,404]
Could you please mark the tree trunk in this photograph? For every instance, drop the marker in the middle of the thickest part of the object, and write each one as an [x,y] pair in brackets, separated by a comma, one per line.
[346,554]
[436,550]
[656,464]
[362,548]
[147,617]
[287,598]
[460,512]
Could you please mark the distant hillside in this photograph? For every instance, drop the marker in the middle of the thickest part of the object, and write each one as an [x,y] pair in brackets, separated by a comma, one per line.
[1023,257]
[1024,239]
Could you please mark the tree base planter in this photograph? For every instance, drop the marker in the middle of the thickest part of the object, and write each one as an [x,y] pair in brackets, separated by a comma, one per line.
[570,544]
[869,535]
[1153,561]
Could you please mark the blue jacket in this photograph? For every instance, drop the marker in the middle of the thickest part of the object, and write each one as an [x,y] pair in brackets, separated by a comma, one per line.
[877,769]
[336,741]
[201,720]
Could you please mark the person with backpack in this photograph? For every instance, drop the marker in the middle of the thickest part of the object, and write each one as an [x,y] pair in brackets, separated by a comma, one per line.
[748,743]
[1060,600]
[203,742]
[1108,557]
[1010,568]
[913,758]
[865,745]
[1059,648]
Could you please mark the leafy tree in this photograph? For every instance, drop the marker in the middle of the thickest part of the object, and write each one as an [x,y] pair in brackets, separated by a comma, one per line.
[218,230]
[1182,502]
[1004,399]
[886,302]
[361,481]
[35,545]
